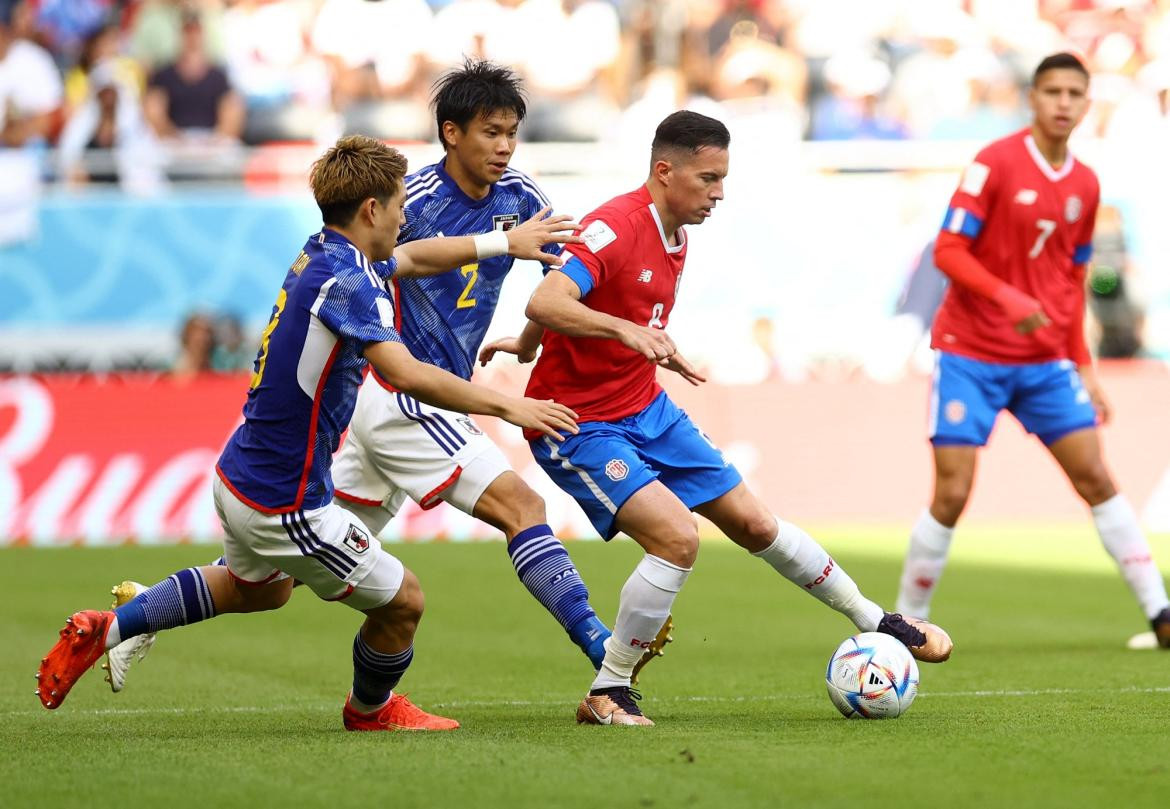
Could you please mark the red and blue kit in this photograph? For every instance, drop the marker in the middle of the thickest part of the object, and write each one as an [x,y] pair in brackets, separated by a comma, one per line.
[631,433]
[1031,226]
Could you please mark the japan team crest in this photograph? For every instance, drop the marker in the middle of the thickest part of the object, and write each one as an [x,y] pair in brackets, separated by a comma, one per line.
[617,469]
[356,540]
[505,221]
[1072,209]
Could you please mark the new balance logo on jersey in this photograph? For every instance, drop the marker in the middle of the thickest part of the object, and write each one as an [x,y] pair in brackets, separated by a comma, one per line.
[1026,196]
[356,540]
[645,276]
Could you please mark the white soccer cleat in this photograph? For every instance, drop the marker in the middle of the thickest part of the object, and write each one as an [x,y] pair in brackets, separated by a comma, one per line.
[119,658]
[1142,641]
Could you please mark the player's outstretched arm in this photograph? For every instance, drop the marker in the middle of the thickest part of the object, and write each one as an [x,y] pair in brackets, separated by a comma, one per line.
[527,240]
[439,388]
[556,305]
[524,346]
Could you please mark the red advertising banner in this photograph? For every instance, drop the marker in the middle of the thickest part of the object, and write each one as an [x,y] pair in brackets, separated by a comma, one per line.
[96,460]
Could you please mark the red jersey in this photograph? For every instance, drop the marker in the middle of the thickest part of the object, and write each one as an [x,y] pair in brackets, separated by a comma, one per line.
[1031,225]
[634,274]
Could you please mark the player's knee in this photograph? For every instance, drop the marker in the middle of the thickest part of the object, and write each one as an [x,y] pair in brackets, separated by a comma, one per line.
[404,611]
[1094,484]
[679,544]
[759,529]
[263,598]
[511,505]
[950,498]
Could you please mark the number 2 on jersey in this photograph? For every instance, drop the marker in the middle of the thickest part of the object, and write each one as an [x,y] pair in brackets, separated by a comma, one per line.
[471,273]
[262,359]
[1047,228]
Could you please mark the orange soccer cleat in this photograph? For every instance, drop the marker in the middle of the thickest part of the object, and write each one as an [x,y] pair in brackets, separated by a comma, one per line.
[82,643]
[397,714]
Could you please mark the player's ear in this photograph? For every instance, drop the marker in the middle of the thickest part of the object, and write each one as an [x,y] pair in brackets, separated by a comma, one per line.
[661,171]
[450,131]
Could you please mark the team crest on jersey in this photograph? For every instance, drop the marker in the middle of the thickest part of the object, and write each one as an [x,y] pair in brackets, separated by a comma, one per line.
[469,425]
[617,469]
[356,540]
[1072,209]
[505,221]
[955,411]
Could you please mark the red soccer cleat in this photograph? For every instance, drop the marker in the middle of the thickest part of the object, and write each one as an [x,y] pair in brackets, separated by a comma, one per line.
[397,714]
[82,643]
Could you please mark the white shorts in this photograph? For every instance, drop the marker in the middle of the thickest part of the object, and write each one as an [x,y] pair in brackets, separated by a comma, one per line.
[328,549]
[398,447]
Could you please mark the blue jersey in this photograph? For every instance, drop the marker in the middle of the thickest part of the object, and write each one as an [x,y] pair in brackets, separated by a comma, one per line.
[306,376]
[443,318]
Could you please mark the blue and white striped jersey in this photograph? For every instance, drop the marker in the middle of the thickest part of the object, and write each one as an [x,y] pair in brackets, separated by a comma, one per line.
[443,318]
[306,376]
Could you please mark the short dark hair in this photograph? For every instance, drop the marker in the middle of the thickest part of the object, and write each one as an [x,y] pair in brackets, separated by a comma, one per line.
[477,88]
[689,132]
[1059,61]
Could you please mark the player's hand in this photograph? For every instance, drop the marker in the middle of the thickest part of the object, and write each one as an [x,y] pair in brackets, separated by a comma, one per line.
[1034,321]
[653,344]
[1096,394]
[507,345]
[528,239]
[548,417]
[681,366]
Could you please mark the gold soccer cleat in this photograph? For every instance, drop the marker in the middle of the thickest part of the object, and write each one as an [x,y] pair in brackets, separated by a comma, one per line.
[119,658]
[655,649]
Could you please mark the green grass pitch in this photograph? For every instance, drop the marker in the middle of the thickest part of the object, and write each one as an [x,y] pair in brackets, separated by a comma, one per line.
[1041,704]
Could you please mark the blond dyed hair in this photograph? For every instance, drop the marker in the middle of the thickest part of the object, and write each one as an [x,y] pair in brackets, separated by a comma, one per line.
[350,172]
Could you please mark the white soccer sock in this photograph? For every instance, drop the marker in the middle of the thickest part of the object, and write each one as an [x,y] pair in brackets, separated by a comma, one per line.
[1123,538]
[930,541]
[799,558]
[114,636]
[645,603]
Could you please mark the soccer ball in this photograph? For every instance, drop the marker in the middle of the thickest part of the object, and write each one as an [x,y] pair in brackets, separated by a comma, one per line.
[873,676]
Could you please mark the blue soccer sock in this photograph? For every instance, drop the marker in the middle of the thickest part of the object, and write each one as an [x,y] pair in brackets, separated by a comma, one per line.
[544,566]
[375,674]
[178,600]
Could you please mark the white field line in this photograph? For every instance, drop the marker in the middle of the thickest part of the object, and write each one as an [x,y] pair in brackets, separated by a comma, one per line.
[244,709]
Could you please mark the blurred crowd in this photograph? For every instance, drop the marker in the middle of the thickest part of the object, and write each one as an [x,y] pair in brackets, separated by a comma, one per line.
[129,76]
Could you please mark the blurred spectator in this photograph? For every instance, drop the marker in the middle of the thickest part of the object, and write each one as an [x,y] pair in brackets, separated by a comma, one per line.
[196,346]
[232,351]
[109,126]
[65,24]
[156,30]
[191,99]
[30,86]
[285,85]
[851,109]
[102,46]
[996,103]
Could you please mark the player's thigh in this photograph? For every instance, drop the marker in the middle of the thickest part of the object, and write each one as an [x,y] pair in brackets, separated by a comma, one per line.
[1051,401]
[361,488]
[432,454]
[331,551]
[662,524]
[965,398]
[599,467]
[742,517]
[687,461]
[243,531]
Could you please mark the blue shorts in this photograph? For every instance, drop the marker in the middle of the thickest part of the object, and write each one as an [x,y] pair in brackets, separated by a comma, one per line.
[604,464]
[1048,399]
